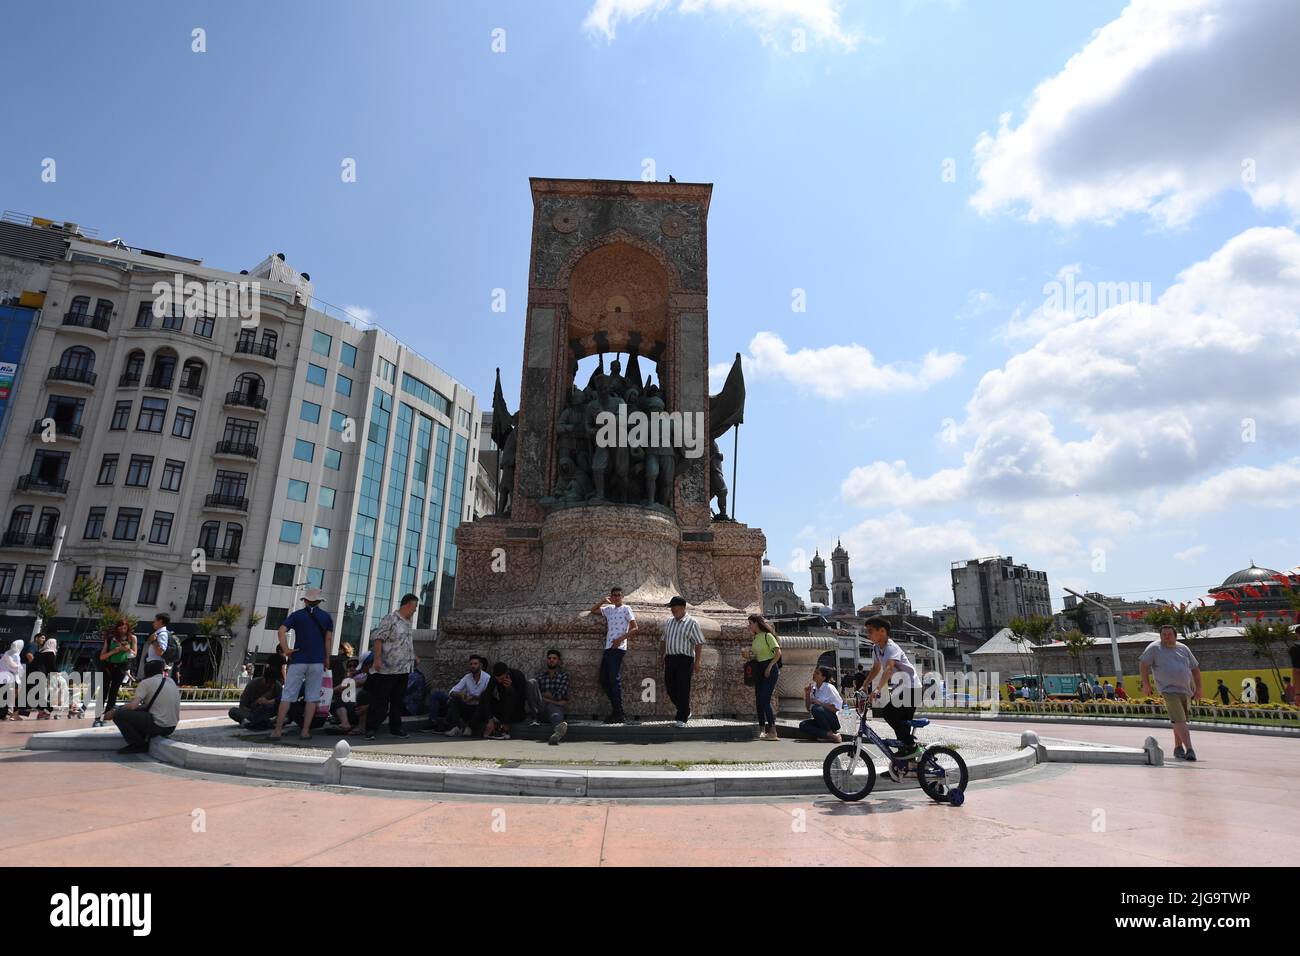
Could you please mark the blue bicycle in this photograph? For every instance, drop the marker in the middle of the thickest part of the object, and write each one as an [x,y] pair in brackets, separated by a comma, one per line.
[850,773]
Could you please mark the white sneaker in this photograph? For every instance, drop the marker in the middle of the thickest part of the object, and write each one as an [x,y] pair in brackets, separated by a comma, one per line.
[454,732]
[680,723]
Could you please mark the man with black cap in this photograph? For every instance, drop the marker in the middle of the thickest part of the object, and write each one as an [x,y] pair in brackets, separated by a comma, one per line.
[682,643]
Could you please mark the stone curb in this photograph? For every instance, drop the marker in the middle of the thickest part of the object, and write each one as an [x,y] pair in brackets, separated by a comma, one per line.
[1259,729]
[342,769]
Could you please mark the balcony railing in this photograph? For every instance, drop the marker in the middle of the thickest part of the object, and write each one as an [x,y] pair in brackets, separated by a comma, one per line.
[199,610]
[154,381]
[39,484]
[249,347]
[221,555]
[128,380]
[85,320]
[194,389]
[71,373]
[27,539]
[242,448]
[237,502]
[61,429]
[26,600]
[246,400]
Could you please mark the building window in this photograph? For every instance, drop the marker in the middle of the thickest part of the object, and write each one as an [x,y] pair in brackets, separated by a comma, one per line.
[114,584]
[33,581]
[95,523]
[282,575]
[203,326]
[304,450]
[291,532]
[183,423]
[107,470]
[161,531]
[320,537]
[321,343]
[348,355]
[333,459]
[153,412]
[462,418]
[338,421]
[174,322]
[150,583]
[198,596]
[144,315]
[81,574]
[387,371]
[139,471]
[240,432]
[121,416]
[425,393]
[127,527]
[326,497]
[173,471]
[275,617]
[343,385]
[315,375]
[316,578]
[310,412]
[230,484]
[297,490]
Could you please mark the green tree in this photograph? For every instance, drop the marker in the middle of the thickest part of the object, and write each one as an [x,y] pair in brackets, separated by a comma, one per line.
[1077,644]
[1026,633]
[1266,638]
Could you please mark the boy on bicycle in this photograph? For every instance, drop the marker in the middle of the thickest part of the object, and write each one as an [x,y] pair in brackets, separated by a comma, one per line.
[897,685]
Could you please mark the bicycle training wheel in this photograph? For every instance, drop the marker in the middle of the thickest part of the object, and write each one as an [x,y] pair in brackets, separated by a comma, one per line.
[942,775]
[849,775]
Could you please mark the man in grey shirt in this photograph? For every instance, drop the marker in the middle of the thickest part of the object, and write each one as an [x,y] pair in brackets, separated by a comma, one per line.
[1178,679]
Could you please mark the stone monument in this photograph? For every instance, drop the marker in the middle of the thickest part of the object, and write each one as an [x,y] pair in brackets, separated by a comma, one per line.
[618,270]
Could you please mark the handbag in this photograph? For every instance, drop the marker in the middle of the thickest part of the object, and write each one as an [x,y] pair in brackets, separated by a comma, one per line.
[751,671]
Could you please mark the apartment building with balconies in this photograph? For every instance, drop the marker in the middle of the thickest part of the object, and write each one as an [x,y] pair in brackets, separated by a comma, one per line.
[189,459]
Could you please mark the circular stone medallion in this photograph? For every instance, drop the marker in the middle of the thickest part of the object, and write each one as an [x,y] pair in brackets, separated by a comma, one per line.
[564,222]
[673,225]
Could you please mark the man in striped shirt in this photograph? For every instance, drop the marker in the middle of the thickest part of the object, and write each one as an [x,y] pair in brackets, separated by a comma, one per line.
[682,643]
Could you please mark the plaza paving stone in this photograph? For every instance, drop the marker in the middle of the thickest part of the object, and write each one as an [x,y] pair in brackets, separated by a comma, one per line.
[1238,805]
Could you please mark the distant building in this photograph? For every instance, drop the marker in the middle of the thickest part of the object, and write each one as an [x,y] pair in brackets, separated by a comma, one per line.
[1091,620]
[989,592]
[941,616]
[841,583]
[779,597]
[894,602]
[1256,594]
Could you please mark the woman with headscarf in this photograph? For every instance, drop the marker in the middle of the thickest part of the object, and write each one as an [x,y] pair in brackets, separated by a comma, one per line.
[46,655]
[11,678]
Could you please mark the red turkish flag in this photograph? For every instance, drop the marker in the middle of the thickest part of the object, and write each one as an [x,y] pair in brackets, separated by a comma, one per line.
[1251,592]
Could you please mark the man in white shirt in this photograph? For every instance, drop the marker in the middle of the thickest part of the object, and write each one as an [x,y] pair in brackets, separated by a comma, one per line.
[464,713]
[156,647]
[620,623]
[893,678]
[154,711]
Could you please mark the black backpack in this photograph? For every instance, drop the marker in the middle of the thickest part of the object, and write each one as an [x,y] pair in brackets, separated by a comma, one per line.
[172,652]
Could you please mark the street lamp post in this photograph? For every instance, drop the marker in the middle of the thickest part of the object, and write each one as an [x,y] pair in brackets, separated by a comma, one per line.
[1110,625]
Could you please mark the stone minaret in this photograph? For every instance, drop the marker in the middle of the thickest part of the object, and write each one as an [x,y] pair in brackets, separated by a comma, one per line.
[841,583]
[819,593]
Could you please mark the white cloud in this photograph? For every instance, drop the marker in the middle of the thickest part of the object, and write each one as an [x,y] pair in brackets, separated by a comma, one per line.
[771,19]
[1167,106]
[838,371]
[366,315]
[1138,397]
[1275,487]
[1189,554]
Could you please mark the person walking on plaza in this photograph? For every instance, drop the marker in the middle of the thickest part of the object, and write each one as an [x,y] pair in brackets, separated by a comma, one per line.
[680,650]
[47,653]
[11,680]
[823,702]
[549,692]
[1288,691]
[620,624]
[313,638]
[394,650]
[1178,679]
[116,650]
[1261,690]
[765,651]
[1222,692]
[154,711]
[156,650]
[893,679]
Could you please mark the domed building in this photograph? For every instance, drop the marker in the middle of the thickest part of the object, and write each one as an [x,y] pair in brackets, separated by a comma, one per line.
[1255,594]
[779,597]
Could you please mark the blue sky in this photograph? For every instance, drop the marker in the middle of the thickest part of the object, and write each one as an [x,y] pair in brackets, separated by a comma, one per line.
[927,406]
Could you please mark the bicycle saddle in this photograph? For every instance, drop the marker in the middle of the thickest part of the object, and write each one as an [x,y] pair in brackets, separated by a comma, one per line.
[919,722]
